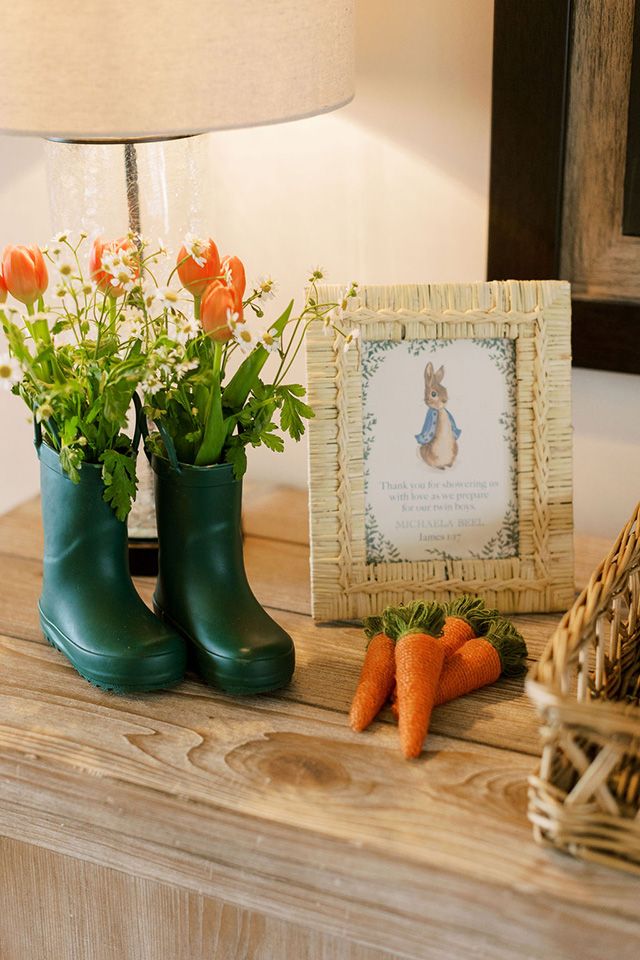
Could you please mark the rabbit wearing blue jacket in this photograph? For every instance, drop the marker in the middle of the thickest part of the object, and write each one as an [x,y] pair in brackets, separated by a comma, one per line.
[439,435]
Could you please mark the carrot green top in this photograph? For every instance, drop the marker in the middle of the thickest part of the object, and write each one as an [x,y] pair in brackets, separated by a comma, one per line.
[372,627]
[509,644]
[418,617]
[473,610]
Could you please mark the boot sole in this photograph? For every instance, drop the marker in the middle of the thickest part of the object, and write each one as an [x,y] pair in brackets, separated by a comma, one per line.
[216,672]
[102,680]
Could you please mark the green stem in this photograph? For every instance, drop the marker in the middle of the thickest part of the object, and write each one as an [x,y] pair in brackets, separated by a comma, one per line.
[41,334]
[214,429]
[281,374]
[112,315]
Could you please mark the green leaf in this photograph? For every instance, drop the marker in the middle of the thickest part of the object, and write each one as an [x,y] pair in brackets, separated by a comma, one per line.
[294,411]
[215,430]
[115,402]
[154,444]
[270,439]
[236,455]
[245,378]
[120,481]
[70,461]
[69,430]
[295,388]
[16,341]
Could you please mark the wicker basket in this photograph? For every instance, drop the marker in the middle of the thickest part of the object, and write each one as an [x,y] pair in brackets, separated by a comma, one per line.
[585,798]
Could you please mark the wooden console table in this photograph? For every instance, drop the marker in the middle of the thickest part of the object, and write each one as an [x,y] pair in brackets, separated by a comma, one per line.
[192,826]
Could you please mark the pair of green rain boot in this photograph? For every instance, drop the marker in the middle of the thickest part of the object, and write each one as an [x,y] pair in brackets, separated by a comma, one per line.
[206,612]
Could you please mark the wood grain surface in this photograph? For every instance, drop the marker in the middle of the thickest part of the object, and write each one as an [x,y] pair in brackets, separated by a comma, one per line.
[200,929]
[263,827]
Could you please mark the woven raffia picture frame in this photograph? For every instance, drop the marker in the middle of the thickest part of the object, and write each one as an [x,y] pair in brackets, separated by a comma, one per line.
[536,316]
[585,798]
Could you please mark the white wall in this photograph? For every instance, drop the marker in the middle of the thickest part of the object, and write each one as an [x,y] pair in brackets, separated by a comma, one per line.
[391,189]
[24,218]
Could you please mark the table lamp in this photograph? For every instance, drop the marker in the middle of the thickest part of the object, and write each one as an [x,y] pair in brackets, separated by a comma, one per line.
[120,91]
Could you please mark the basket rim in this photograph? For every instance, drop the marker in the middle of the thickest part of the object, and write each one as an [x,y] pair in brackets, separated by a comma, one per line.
[623,718]
[579,623]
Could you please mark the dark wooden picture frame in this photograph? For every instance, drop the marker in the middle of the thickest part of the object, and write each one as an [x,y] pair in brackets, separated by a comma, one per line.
[533,44]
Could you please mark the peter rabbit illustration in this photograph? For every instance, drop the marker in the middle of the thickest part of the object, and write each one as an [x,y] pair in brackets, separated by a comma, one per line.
[439,434]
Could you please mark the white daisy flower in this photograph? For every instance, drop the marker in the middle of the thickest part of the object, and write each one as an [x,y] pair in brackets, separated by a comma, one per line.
[63,259]
[266,288]
[316,274]
[66,266]
[124,280]
[269,342]
[189,326]
[152,385]
[149,290]
[185,366]
[134,326]
[10,372]
[327,324]
[246,336]
[132,315]
[350,339]
[232,318]
[166,296]
[62,237]
[196,247]
[228,274]
[119,270]
[344,300]
[186,328]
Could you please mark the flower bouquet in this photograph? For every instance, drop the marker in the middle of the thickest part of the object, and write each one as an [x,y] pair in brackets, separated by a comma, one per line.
[72,362]
[182,341]
[204,413]
[205,417]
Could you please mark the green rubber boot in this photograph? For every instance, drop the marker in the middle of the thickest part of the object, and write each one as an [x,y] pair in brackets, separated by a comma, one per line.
[89,608]
[202,586]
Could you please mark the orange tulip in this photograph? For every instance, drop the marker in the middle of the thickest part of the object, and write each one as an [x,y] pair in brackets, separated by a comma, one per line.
[130,268]
[217,311]
[3,290]
[24,272]
[194,276]
[234,267]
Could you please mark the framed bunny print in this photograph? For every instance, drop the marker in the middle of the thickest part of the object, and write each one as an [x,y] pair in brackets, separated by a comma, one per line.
[440,453]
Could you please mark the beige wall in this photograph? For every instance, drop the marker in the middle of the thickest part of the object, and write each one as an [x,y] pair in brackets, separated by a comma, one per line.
[391,189]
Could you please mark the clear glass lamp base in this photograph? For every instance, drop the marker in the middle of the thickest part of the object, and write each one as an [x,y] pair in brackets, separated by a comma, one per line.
[142,519]
[155,189]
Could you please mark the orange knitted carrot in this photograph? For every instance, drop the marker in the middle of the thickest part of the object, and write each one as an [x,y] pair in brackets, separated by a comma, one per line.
[376,678]
[465,617]
[474,665]
[482,660]
[419,659]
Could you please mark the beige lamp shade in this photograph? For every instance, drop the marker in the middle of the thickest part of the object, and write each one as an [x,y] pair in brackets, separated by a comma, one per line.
[144,69]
